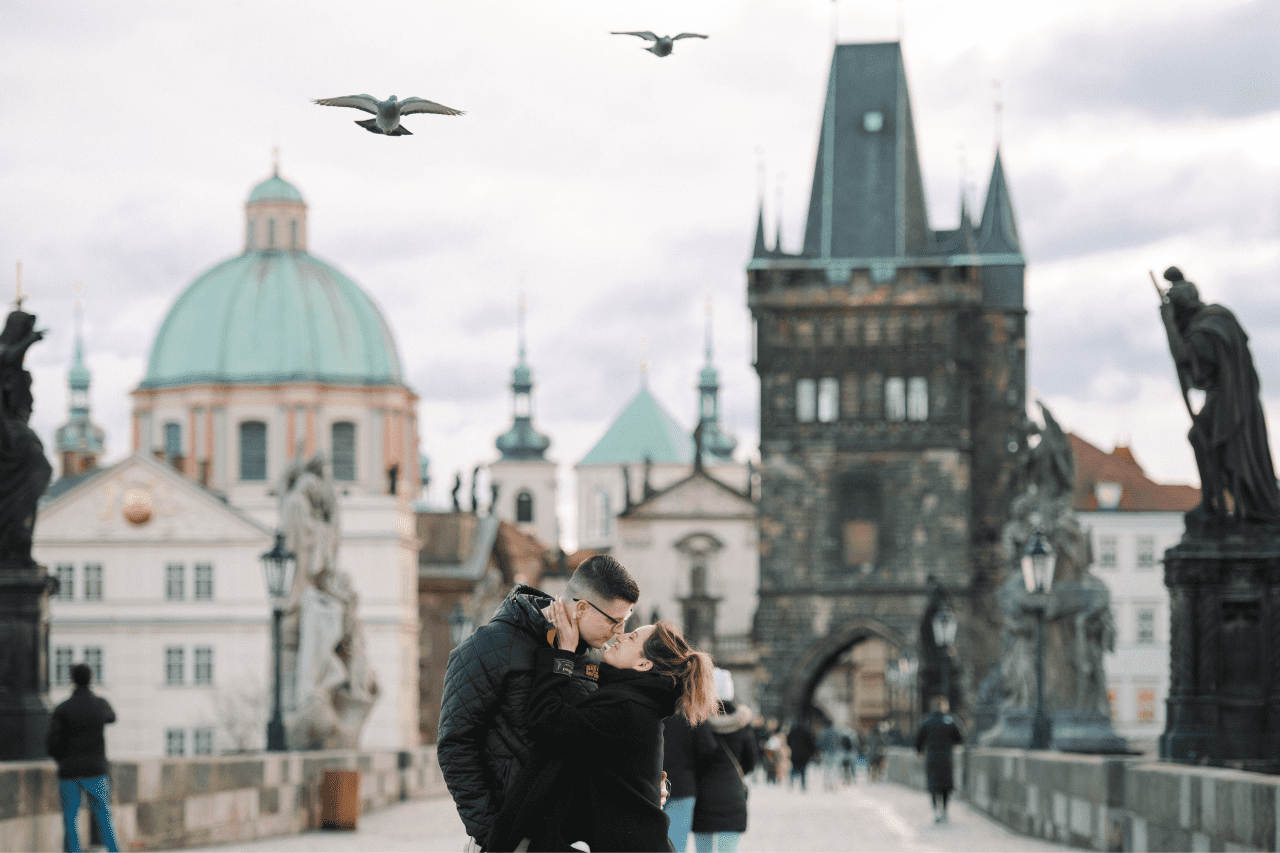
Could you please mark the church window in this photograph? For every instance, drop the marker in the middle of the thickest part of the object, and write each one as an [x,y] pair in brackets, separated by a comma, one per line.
[524,507]
[1146,552]
[917,399]
[203,669]
[859,542]
[293,233]
[271,233]
[175,666]
[895,399]
[806,400]
[173,443]
[62,665]
[93,582]
[859,510]
[175,582]
[203,582]
[253,450]
[828,399]
[93,660]
[343,448]
[698,575]
[66,575]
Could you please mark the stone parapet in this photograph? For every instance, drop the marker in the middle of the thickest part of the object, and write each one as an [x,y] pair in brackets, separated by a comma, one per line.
[182,802]
[1108,802]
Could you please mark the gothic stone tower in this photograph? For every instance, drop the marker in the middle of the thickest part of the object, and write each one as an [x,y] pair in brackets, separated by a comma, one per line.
[892,395]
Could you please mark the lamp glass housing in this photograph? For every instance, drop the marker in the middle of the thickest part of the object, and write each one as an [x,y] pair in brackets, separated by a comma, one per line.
[277,569]
[1038,562]
[944,626]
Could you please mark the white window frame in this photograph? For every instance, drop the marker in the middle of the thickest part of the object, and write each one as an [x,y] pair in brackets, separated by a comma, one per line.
[92,657]
[63,657]
[202,581]
[175,743]
[1108,551]
[917,399]
[828,399]
[175,666]
[806,401]
[93,582]
[175,582]
[895,399]
[202,665]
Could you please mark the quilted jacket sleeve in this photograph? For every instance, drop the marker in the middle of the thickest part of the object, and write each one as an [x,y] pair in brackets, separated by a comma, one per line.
[472,686]
[554,720]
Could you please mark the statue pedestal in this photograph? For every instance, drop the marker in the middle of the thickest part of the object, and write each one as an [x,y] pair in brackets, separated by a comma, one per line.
[1086,731]
[24,650]
[1224,617]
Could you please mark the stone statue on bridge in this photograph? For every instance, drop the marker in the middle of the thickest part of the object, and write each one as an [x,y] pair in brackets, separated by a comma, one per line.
[1079,627]
[329,685]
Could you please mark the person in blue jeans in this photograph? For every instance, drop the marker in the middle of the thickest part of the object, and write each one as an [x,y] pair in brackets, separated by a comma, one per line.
[75,741]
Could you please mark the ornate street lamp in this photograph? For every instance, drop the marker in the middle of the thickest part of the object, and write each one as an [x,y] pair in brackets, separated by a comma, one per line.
[944,634]
[1038,561]
[277,569]
[460,625]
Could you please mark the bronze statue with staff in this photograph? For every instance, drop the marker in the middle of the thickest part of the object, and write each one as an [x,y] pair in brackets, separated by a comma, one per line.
[1229,433]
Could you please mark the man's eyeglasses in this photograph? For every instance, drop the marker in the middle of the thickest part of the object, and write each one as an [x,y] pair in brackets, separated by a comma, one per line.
[612,621]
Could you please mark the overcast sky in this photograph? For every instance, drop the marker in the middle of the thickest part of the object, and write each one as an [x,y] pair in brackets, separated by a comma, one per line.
[621,189]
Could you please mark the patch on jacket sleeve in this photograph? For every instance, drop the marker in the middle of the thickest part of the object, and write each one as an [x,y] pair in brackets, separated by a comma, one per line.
[560,666]
[592,671]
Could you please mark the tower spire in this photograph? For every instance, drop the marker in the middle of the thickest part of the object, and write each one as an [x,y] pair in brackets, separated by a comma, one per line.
[522,441]
[708,435]
[80,441]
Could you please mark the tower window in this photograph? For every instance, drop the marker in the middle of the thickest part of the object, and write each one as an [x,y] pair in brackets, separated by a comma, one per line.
[343,448]
[708,406]
[253,450]
[806,400]
[524,507]
[249,236]
[293,233]
[173,443]
[918,399]
[828,399]
[895,399]
[271,233]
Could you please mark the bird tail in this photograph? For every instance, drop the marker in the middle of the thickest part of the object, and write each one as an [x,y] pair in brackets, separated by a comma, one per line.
[370,125]
[400,131]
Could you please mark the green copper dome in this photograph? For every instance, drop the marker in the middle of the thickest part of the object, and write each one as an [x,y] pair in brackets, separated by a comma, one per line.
[275,188]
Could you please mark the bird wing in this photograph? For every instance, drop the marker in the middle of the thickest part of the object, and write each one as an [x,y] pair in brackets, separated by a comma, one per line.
[422,105]
[644,35]
[360,102]
[688,36]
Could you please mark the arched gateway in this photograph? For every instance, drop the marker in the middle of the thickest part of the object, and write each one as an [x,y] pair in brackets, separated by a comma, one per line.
[892,364]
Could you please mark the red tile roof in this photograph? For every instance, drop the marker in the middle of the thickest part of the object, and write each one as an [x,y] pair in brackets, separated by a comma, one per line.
[1140,493]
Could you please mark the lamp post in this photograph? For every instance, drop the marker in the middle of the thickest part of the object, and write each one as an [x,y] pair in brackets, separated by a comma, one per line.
[1037,574]
[277,569]
[460,625]
[944,634]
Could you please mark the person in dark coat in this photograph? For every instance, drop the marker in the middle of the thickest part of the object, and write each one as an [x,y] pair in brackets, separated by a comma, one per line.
[727,755]
[596,772]
[938,734]
[76,742]
[682,745]
[802,745]
[484,737]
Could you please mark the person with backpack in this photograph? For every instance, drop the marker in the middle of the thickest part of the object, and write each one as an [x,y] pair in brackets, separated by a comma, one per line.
[728,755]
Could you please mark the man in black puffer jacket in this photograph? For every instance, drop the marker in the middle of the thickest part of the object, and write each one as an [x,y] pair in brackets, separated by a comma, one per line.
[484,738]
[75,741]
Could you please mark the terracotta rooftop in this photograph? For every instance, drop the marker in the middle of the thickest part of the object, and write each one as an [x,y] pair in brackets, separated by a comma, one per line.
[1138,492]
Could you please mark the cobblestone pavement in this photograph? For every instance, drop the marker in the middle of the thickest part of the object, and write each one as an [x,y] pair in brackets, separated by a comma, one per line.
[864,817]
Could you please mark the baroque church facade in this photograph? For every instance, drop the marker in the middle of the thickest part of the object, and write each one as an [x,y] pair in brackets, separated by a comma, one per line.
[268,357]
[892,366]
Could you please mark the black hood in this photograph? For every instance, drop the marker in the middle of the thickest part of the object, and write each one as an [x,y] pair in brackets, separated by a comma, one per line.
[522,608]
[653,689]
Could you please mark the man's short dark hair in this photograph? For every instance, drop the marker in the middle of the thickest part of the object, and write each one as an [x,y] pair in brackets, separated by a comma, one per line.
[81,674]
[605,577]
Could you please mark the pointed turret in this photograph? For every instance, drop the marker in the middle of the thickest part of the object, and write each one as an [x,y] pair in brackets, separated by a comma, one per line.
[522,441]
[760,250]
[80,441]
[867,199]
[998,234]
[715,442]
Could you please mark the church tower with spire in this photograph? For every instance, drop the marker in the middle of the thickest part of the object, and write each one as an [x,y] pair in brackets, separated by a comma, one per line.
[717,445]
[80,441]
[524,477]
[892,366]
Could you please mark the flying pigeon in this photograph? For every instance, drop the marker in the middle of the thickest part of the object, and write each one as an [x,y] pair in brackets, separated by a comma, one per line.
[661,44]
[387,113]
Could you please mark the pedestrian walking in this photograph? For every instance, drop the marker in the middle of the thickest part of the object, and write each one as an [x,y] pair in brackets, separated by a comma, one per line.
[720,811]
[773,753]
[875,742]
[76,742]
[595,774]
[484,739]
[759,731]
[938,734]
[834,757]
[680,751]
[802,745]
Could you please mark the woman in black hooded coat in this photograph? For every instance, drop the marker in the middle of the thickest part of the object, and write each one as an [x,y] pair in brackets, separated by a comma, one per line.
[597,765]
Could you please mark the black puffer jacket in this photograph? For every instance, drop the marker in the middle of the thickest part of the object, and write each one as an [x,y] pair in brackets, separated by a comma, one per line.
[484,737]
[75,735]
[722,794]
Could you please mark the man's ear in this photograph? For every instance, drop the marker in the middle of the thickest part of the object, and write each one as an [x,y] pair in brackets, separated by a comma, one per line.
[644,664]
